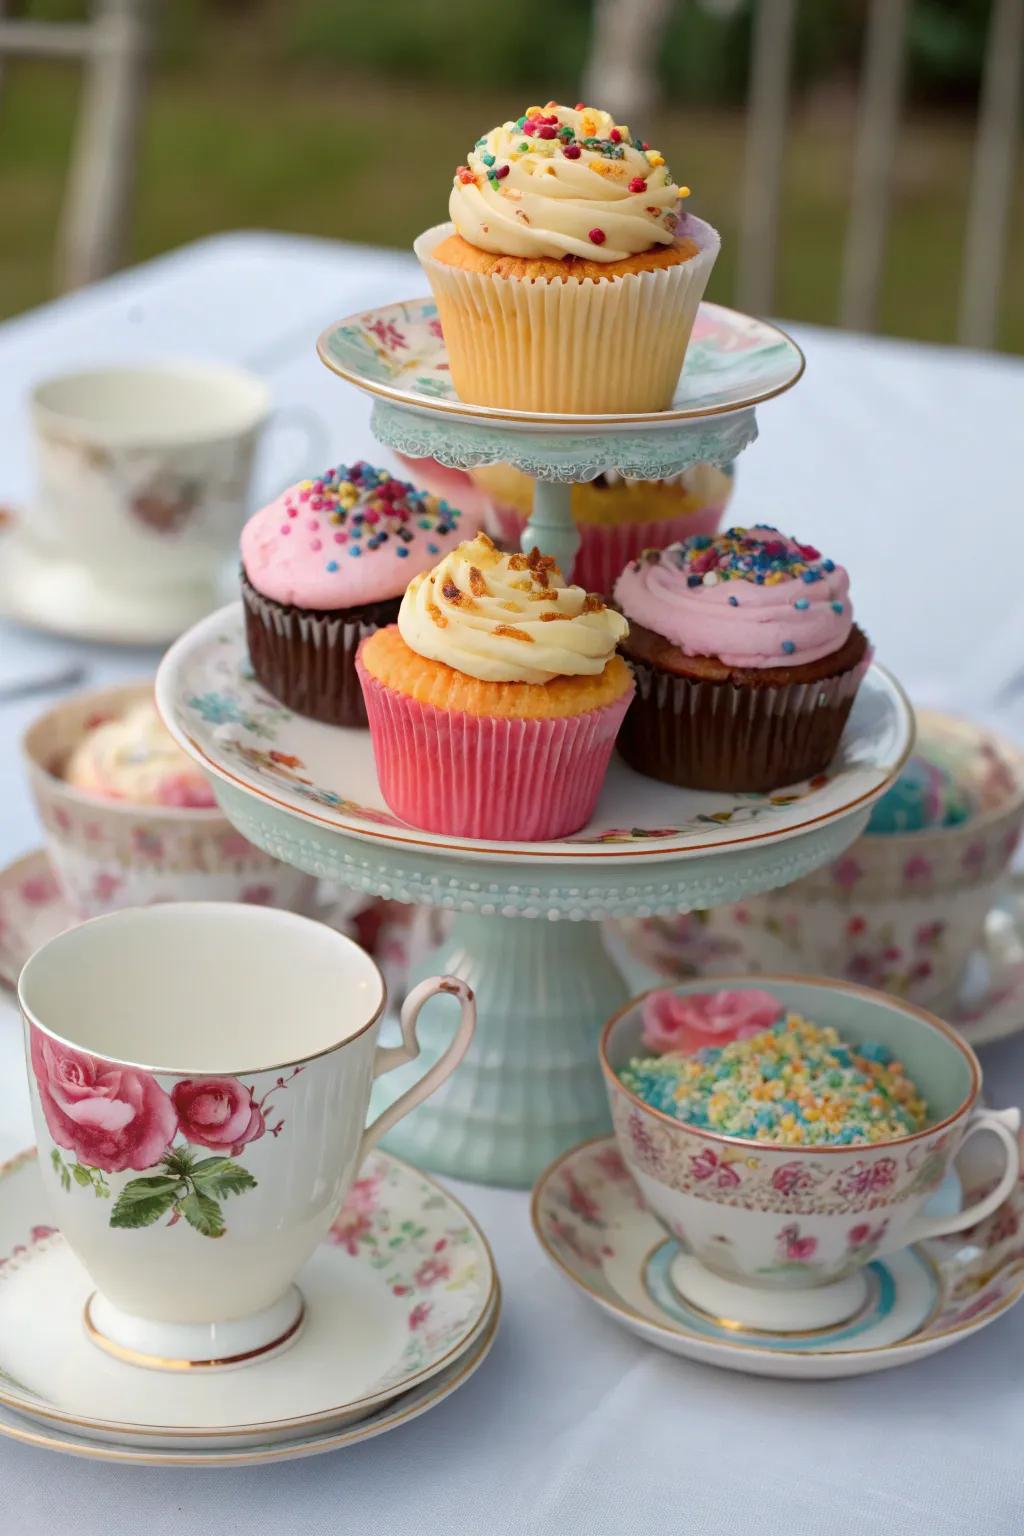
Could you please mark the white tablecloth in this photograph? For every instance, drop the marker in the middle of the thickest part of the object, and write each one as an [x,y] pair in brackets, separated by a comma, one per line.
[902,461]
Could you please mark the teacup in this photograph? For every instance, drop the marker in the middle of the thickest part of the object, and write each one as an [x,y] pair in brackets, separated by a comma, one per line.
[902,911]
[200,1075]
[109,854]
[777,1236]
[144,472]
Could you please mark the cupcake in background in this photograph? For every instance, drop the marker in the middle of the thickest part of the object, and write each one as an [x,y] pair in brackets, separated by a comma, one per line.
[133,757]
[325,565]
[570,274]
[746,658]
[495,701]
[617,518]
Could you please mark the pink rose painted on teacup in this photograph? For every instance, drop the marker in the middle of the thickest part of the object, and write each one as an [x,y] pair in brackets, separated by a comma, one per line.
[681,1025]
[217,1112]
[110,1117]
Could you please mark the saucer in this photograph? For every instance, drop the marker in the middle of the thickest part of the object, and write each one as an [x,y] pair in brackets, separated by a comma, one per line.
[44,592]
[401,1289]
[653,951]
[590,1219]
[400,1410]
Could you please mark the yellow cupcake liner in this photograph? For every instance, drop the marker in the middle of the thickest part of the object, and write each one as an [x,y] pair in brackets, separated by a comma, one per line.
[582,347]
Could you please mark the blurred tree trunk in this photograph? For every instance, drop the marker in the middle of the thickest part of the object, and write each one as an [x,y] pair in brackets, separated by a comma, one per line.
[620,73]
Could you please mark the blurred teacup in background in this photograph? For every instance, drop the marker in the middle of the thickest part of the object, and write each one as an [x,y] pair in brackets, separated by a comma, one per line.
[144,481]
[905,908]
[130,821]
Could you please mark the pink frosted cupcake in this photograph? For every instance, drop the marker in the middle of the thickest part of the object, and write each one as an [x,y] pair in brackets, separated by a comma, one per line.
[747,661]
[617,518]
[495,702]
[325,565]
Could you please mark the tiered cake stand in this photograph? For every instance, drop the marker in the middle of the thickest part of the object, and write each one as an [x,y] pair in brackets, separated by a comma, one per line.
[525,933]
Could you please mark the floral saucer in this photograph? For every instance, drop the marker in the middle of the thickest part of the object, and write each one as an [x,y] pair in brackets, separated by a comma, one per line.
[591,1221]
[399,1410]
[397,352]
[61,598]
[404,1287]
[990,1006]
[213,705]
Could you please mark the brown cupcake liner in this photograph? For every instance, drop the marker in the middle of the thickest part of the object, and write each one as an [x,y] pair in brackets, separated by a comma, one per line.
[724,736]
[307,658]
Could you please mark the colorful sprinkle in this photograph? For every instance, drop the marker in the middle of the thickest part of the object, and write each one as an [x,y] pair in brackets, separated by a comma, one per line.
[788,647]
[597,236]
[794,1084]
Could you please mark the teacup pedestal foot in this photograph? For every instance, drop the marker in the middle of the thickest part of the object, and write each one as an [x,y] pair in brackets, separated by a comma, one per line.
[750,1308]
[222,1346]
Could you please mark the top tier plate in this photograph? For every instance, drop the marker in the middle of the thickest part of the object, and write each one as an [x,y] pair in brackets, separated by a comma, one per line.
[397,353]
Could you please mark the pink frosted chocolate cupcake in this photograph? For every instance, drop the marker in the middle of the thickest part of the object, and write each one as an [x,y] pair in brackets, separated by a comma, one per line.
[746,657]
[495,701]
[325,565]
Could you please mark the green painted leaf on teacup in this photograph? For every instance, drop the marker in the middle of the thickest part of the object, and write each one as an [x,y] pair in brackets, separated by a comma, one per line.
[202,1213]
[220,1176]
[143,1201]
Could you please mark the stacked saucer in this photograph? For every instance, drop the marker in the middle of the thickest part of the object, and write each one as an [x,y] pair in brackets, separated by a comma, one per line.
[404,1258]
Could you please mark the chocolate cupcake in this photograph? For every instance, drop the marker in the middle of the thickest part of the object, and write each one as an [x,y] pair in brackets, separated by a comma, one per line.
[324,566]
[746,657]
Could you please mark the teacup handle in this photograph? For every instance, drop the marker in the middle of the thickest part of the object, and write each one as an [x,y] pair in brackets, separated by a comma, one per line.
[1004,1123]
[298,418]
[389,1056]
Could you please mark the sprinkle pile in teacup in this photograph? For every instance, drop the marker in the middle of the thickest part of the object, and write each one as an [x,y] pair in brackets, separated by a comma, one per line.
[794,1084]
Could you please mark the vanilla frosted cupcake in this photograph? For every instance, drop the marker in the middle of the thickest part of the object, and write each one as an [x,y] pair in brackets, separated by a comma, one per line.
[495,701]
[617,518]
[133,757]
[568,279]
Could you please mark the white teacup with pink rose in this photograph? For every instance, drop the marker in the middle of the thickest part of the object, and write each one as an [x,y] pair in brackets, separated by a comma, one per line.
[199,1076]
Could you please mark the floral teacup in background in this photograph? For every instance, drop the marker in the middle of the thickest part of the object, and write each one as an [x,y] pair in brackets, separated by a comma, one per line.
[904,909]
[777,1235]
[114,851]
[200,1075]
[144,477]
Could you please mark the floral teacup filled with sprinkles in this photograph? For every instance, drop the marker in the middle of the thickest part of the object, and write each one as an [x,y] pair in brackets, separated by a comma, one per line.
[791,1082]
[325,565]
[788,1129]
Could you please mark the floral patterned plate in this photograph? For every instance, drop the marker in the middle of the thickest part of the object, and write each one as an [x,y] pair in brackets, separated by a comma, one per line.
[212,703]
[591,1221]
[732,363]
[404,1286]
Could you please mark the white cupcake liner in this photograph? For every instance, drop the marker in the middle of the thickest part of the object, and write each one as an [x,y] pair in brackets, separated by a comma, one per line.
[577,345]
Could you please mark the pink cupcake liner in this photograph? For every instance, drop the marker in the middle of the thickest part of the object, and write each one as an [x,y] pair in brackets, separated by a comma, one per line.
[472,776]
[607,548]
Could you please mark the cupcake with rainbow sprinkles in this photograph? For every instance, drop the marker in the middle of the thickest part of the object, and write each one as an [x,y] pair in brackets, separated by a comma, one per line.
[569,277]
[747,660]
[325,565]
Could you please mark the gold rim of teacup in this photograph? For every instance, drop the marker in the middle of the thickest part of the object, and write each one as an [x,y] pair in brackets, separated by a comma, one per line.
[765,982]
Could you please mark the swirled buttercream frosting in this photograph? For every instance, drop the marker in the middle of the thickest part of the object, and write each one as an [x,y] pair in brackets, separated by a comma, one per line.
[507,618]
[565,181]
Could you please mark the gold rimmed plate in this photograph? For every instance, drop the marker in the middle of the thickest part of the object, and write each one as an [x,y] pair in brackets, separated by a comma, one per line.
[590,1220]
[397,353]
[325,776]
